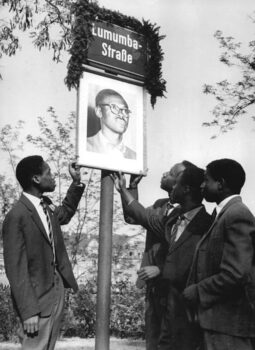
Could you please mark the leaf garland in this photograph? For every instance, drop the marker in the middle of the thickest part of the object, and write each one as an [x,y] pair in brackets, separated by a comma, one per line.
[86,13]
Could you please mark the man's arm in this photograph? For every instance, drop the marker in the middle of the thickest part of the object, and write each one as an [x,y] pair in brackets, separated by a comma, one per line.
[133,208]
[70,203]
[235,266]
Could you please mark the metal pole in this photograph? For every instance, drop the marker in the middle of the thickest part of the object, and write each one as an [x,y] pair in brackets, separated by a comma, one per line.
[104,264]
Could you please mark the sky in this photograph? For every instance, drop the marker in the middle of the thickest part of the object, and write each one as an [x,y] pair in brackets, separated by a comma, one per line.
[32,82]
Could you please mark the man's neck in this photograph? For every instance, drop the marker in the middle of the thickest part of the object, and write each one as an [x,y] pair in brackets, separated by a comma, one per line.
[34,192]
[190,206]
[112,137]
[223,196]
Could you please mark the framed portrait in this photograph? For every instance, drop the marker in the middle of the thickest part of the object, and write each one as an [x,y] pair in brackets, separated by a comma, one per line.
[111,124]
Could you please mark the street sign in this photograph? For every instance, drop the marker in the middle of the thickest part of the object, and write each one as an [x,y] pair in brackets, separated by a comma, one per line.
[118,48]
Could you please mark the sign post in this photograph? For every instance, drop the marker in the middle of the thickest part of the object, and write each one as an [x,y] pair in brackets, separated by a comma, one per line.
[114,59]
[104,263]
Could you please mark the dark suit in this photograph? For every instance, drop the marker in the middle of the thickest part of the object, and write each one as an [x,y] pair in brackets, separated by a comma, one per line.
[28,255]
[176,332]
[153,255]
[222,278]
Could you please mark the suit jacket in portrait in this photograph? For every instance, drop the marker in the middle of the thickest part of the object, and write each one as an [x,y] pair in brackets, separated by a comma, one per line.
[28,255]
[96,144]
[223,272]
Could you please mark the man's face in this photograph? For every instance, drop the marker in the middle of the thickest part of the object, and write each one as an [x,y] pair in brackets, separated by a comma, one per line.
[111,118]
[45,180]
[168,179]
[210,188]
[178,193]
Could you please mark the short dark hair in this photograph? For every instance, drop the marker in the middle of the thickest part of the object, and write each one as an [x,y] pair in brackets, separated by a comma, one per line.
[193,177]
[107,92]
[188,164]
[27,168]
[230,171]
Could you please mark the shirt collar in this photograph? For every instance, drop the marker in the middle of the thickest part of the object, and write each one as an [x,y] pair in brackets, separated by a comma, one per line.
[222,204]
[189,215]
[103,140]
[35,200]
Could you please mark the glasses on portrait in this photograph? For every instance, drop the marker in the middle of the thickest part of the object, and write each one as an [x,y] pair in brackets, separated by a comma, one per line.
[117,110]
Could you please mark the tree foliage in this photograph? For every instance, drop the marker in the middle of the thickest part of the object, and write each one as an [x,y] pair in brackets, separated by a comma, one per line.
[48,23]
[233,98]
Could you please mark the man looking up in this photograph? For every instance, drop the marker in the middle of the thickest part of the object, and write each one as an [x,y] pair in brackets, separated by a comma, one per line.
[221,284]
[35,257]
[179,233]
[113,112]
[153,255]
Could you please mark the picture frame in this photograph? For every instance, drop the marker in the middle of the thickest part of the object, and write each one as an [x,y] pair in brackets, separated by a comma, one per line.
[104,139]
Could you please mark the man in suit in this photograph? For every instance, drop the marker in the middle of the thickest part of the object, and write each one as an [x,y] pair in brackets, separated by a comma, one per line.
[113,112]
[221,285]
[35,257]
[154,254]
[179,233]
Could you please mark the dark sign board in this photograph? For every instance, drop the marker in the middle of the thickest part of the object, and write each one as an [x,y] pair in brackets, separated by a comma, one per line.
[118,48]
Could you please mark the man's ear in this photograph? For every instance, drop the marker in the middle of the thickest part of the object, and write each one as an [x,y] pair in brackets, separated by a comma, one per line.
[98,112]
[221,184]
[187,189]
[36,179]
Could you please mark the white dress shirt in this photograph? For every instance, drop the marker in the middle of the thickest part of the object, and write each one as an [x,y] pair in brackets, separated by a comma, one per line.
[36,203]
[186,218]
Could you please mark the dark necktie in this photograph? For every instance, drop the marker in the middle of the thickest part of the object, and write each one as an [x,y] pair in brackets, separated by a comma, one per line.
[214,214]
[175,229]
[168,207]
[44,206]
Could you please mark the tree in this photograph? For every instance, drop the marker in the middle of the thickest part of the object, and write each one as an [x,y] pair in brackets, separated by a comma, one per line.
[233,98]
[48,23]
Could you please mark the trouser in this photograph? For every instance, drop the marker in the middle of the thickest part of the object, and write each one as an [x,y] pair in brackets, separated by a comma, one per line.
[218,341]
[153,317]
[49,326]
[177,333]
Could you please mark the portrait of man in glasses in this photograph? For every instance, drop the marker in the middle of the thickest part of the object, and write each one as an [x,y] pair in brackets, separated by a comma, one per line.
[113,113]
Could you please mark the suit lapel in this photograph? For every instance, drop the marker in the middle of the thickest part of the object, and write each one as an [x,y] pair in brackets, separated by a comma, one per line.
[231,202]
[170,220]
[34,215]
[192,227]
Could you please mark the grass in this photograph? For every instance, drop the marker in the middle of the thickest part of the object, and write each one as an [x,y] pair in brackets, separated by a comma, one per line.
[86,344]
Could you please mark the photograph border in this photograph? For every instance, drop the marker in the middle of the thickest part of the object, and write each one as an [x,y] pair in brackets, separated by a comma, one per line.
[138,123]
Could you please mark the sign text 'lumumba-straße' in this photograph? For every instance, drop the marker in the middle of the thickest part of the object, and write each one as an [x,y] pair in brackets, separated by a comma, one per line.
[117,48]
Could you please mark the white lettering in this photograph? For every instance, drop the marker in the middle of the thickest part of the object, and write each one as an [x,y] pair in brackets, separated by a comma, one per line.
[122,40]
[125,40]
[136,45]
[122,55]
[104,52]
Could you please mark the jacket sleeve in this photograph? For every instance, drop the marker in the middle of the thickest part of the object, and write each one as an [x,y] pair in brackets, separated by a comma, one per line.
[128,218]
[236,262]
[153,222]
[66,211]
[16,266]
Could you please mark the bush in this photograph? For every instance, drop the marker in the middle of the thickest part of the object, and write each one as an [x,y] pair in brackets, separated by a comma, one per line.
[8,320]
[127,310]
